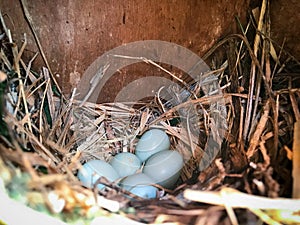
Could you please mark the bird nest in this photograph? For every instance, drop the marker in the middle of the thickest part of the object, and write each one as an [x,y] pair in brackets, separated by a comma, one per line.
[45,137]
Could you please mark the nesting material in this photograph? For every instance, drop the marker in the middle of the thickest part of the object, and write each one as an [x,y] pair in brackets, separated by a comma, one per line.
[45,138]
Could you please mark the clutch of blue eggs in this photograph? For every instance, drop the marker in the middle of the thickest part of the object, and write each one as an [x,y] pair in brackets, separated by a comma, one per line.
[160,166]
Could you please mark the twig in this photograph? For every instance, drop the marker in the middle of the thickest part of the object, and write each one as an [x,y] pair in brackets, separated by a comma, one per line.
[4,25]
[267,45]
[27,68]
[264,217]
[276,127]
[33,29]
[295,106]
[17,56]
[264,153]
[279,56]
[5,59]
[240,143]
[192,144]
[259,129]
[94,82]
[41,127]
[45,153]
[229,211]
[149,61]
[49,96]
[296,160]
[203,100]
[253,70]
[34,90]
[236,199]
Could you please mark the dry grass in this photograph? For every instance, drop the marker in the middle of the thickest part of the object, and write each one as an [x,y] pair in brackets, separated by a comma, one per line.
[45,137]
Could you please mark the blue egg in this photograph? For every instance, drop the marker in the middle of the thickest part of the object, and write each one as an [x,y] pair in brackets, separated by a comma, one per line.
[140,185]
[164,167]
[92,170]
[125,163]
[151,142]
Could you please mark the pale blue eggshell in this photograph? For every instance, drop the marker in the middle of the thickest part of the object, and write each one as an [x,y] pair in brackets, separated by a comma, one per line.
[151,142]
[164,167]
[140,185]
[125,163]
[92,170]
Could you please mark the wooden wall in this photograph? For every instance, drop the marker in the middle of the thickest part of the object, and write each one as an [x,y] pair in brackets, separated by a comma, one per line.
[74,33]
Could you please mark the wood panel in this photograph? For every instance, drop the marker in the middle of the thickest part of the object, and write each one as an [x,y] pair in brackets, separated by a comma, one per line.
[74,33]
